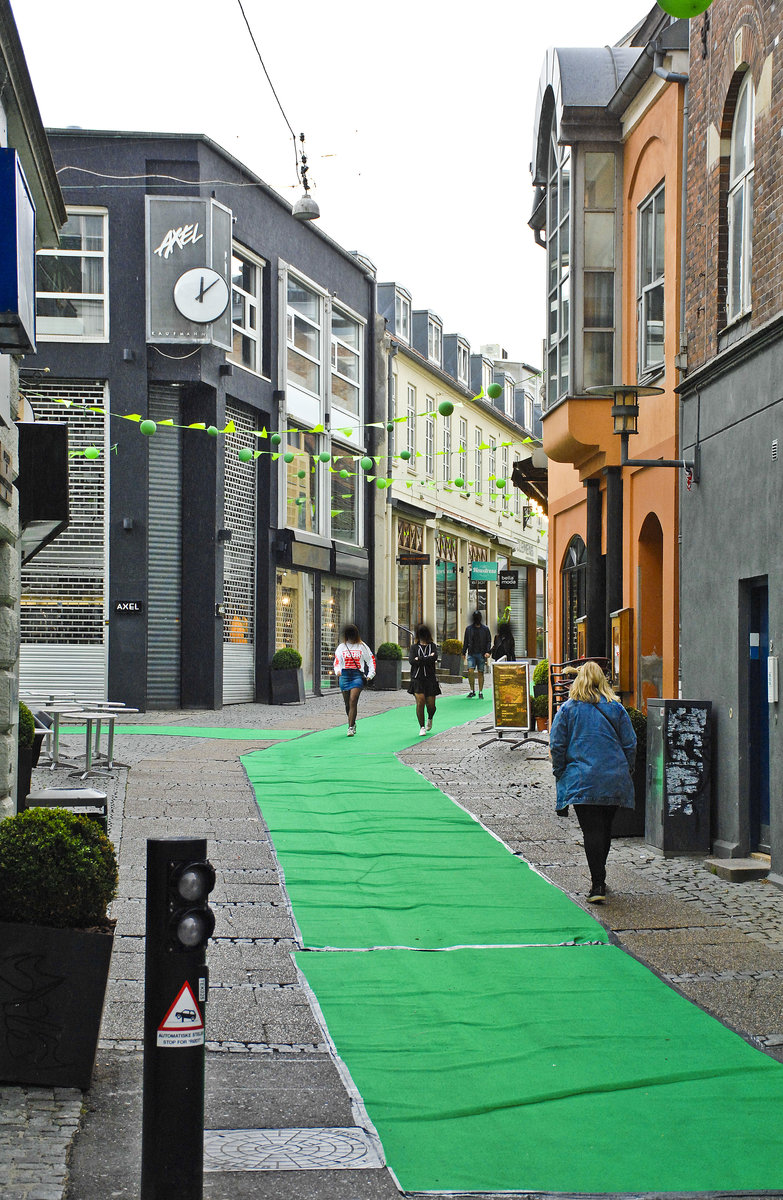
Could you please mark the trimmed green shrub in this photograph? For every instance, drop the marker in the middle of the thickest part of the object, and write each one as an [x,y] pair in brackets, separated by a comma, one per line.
[389,650]
[57,868]
[26,726]
[540,706]
[541,672]
[287,658]
[451,646]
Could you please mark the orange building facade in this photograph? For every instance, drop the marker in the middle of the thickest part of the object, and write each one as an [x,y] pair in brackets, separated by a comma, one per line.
[608,168]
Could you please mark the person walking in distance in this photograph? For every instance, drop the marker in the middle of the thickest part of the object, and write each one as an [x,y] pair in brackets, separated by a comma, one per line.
[503,646]
[354,665]
[476,645]
[424,686]
[593,749]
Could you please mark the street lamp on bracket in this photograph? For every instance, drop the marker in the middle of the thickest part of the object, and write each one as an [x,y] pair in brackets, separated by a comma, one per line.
[625,417]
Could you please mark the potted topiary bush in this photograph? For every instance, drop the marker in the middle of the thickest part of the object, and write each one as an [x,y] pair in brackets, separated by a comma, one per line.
[287,680]
[58,875]
[451,656]
[388,667]
[541,711]
[28,749]
[629,822]
[541,678]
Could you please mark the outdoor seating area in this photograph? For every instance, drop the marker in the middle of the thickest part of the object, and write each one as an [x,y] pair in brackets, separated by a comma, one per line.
[54,712]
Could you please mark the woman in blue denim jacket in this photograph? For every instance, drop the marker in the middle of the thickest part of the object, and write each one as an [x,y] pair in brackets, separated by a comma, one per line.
[593,749]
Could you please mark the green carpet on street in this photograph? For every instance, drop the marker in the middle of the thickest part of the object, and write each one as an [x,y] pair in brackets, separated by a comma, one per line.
[198,731]
[522,1052]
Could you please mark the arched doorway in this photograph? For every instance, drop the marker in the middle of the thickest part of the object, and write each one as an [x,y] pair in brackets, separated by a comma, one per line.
[573,574]
[650,610]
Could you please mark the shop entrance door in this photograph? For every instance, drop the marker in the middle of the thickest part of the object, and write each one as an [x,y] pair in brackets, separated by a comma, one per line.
[758,718]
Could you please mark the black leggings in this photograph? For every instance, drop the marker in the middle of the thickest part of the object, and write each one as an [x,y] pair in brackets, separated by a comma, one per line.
[595,821]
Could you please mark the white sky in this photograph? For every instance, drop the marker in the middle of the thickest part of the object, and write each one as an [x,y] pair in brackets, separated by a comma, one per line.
[418,116]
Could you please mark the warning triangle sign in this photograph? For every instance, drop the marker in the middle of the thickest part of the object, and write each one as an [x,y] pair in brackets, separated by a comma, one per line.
[183,1024]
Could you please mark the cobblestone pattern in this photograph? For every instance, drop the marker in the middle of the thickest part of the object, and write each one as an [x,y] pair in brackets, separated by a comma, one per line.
[671,913]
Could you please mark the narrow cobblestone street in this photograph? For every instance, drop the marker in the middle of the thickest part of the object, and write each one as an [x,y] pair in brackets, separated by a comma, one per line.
[269,1065]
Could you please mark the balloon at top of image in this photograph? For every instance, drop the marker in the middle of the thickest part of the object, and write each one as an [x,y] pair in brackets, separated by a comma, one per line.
[494,390]
[684,8]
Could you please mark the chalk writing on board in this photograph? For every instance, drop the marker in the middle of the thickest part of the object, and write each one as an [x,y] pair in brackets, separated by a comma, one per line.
[685,767]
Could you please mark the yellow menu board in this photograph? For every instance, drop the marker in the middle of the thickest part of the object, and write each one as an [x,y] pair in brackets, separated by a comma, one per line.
[511,695]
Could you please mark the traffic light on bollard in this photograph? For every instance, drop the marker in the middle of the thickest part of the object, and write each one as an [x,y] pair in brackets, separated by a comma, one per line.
[176,983]
[192,921]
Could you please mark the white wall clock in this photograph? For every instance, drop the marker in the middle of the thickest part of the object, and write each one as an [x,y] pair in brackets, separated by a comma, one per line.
[201,295]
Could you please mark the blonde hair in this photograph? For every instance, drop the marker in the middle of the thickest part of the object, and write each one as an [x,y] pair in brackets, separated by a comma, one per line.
[590,684]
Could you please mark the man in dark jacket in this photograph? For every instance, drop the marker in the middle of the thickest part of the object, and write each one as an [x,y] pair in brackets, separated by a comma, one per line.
[476,645]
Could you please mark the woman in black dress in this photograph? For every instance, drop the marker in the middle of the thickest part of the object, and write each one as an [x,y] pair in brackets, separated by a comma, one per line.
[423,656]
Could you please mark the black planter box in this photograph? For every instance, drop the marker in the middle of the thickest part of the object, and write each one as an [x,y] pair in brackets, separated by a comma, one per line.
[52,988]
[287,686]
[388,674]
[452,663]
[629,822]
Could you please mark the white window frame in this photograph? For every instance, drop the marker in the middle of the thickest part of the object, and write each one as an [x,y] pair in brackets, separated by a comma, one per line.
[251,302]
[462,453]
[645,291]
[429,437]
[504,473]
[508,397]
[478,473]
[81,211]
[292,315]
[740,241]
[447,449]
[402,317]
[487,375]
[493,470]
[357,351]
[434,341]
[410,427]
[463,364]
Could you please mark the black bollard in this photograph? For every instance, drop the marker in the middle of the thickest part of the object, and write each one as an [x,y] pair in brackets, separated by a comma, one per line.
[179,924]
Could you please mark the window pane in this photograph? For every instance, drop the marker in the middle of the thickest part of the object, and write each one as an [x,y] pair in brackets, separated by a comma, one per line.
[565,186]
[735,251]
[346,361]
[599,240]
[653,327]
[307,338]
[303,372]
[343,500]
[660,234]
[301,494]
[69,318]
[345,395]
[243,275]
[599,299]
[599,359]
[303,300]
[565,299]
[564,367]
[646,245]
[82,232]
[739,131]
[345,329]
[599,180]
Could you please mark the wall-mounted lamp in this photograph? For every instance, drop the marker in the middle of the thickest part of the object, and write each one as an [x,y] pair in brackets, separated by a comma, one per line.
[225,369]
[625,418]
[127,524]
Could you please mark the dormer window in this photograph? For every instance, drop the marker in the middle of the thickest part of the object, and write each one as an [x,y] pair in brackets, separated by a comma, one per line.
[508,396]
[487,375]
[402,317]
[434,341]
[463,364]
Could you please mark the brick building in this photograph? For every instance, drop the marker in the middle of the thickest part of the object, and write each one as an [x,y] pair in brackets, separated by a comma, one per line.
[732,571]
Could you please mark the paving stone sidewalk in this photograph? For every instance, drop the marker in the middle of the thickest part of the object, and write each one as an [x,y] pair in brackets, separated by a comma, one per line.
[268,1065]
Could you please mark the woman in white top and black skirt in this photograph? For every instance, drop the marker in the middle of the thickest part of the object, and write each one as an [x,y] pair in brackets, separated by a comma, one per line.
[354,665]
[424,686]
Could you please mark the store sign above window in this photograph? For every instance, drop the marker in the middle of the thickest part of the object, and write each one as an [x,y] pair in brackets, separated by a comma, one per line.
[188,270]
[481,572]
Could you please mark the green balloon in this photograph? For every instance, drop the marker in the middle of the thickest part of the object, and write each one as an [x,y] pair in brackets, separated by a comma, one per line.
[345,474]
[92,452]
[405,454]
[300,500]
[390,427]
[288,456]
[148,428]
[500,484]
[245,454]
[459,483]
[684,8]
[445,408]
[301,474]
[212,430]
[381,483]
[494,390]
[275,439]
[367,464]
[324,456]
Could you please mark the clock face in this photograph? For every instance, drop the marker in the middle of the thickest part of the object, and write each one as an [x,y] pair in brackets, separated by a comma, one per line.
[201,295]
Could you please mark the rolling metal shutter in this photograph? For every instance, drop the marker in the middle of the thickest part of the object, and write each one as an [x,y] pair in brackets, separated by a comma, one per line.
[164,551]
[239,562]
[63,612]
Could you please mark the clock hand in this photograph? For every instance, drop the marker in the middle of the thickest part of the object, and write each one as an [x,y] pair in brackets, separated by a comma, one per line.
[200,296]
[204,290]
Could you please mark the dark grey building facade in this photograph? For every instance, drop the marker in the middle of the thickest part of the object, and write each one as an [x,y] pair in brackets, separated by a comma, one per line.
[186,294]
